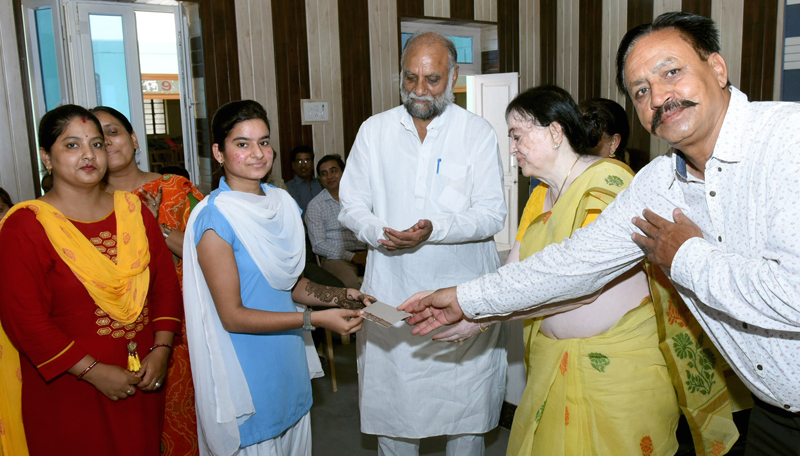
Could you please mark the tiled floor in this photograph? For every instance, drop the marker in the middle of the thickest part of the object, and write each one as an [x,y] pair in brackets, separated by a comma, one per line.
[335,421]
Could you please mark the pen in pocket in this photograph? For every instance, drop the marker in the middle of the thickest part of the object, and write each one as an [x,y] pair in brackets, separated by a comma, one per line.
[438,162]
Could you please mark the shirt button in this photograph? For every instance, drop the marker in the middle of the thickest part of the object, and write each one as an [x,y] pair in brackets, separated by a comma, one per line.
[719,169]
[713,193]
[744,325]
[787,406]
[719,238]
[760,367]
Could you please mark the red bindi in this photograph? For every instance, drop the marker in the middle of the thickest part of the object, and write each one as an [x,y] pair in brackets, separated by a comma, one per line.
[83,119]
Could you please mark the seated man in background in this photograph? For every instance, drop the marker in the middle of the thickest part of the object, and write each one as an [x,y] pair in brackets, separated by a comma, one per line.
[304,186]
[341,253]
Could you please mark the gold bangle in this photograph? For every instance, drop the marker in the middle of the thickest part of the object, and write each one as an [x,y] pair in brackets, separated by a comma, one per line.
[480,325]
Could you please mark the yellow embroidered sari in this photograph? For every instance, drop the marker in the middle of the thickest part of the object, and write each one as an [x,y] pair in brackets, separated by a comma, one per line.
[615,393]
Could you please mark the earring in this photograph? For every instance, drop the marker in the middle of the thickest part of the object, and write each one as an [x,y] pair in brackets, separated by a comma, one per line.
[556,145]
[49,171]
[221,164]
[613,154]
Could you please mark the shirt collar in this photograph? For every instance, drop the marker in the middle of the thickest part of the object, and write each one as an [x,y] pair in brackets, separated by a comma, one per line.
[728,147]
[408,122]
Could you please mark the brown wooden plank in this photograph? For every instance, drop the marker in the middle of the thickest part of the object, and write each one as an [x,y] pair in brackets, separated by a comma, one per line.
[549,36]
[700,7]
[293,82]
[508,35]
[590,35]
[408,8]
[639,12]
[215,61]
[354,61]
[462,10]
[758,49]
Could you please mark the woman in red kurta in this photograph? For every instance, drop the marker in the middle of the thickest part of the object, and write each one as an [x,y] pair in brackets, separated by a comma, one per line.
[60,330]
[170,199]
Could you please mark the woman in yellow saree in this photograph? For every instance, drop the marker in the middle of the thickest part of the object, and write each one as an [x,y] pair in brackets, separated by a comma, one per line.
[610,373]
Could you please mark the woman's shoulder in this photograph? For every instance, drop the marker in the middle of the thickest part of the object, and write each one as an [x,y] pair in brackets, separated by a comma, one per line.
[608,171]
[209,217]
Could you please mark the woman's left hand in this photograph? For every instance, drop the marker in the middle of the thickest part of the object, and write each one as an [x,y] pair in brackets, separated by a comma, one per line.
[356,300]
[460,332]
[154,369]
[153,202]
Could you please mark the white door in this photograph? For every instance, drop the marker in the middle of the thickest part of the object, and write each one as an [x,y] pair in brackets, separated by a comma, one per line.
[104,56]
[487,96]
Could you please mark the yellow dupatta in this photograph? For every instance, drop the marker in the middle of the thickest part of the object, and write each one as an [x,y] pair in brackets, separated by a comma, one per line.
[696,369]
[118,289]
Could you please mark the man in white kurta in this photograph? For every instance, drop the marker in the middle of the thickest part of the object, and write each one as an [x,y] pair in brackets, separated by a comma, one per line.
[445,181]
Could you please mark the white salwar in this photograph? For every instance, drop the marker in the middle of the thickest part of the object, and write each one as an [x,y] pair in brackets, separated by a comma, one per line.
[412,387]
[265,225]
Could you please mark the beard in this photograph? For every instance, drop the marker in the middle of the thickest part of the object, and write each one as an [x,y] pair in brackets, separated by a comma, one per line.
[435,106]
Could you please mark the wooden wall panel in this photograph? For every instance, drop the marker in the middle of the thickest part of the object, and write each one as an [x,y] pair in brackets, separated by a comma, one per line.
[508,35]
[384,39]
[437,8]
[407,8]
[463,10]
[590,39]
[701,7]
[292,77]
[325,74]
[529,44]
[728,14]
[220,53]
[567,50]
[758,49]
[548,42]
[615,24]
[257,63]
[486,10]
[355,65]
[639,12]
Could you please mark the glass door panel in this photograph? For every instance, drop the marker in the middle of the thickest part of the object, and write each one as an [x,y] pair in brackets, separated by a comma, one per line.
[48,60]
[110,68]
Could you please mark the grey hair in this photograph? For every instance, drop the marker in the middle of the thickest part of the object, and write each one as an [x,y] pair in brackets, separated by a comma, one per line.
[433,37]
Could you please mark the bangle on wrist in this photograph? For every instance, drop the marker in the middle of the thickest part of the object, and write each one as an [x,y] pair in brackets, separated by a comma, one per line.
[86,371]
[307,326]
[160,345]
[482,328]
[165,231]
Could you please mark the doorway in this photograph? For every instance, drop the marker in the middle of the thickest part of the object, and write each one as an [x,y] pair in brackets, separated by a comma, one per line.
[134,58]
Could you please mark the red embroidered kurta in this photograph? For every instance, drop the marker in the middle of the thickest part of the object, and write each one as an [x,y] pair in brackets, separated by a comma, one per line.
[54,323]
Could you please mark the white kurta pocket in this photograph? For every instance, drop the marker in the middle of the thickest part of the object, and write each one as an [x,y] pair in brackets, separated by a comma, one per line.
[450,187]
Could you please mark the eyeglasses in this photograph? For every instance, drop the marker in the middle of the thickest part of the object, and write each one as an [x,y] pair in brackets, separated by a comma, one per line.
[303,161]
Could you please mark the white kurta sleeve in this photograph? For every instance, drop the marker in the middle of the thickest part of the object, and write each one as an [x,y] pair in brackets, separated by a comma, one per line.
[355,194]
[580,265]
[486,213]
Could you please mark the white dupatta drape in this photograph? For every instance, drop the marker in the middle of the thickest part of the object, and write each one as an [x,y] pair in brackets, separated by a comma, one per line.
[271,230]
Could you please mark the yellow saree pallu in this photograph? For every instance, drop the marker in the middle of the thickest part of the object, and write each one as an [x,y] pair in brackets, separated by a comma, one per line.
[119,289]
[606,395]
[661,364]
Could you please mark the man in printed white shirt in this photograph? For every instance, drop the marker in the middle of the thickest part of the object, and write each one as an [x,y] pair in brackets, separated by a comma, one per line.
[424,189]
[719,213]
[340,252]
